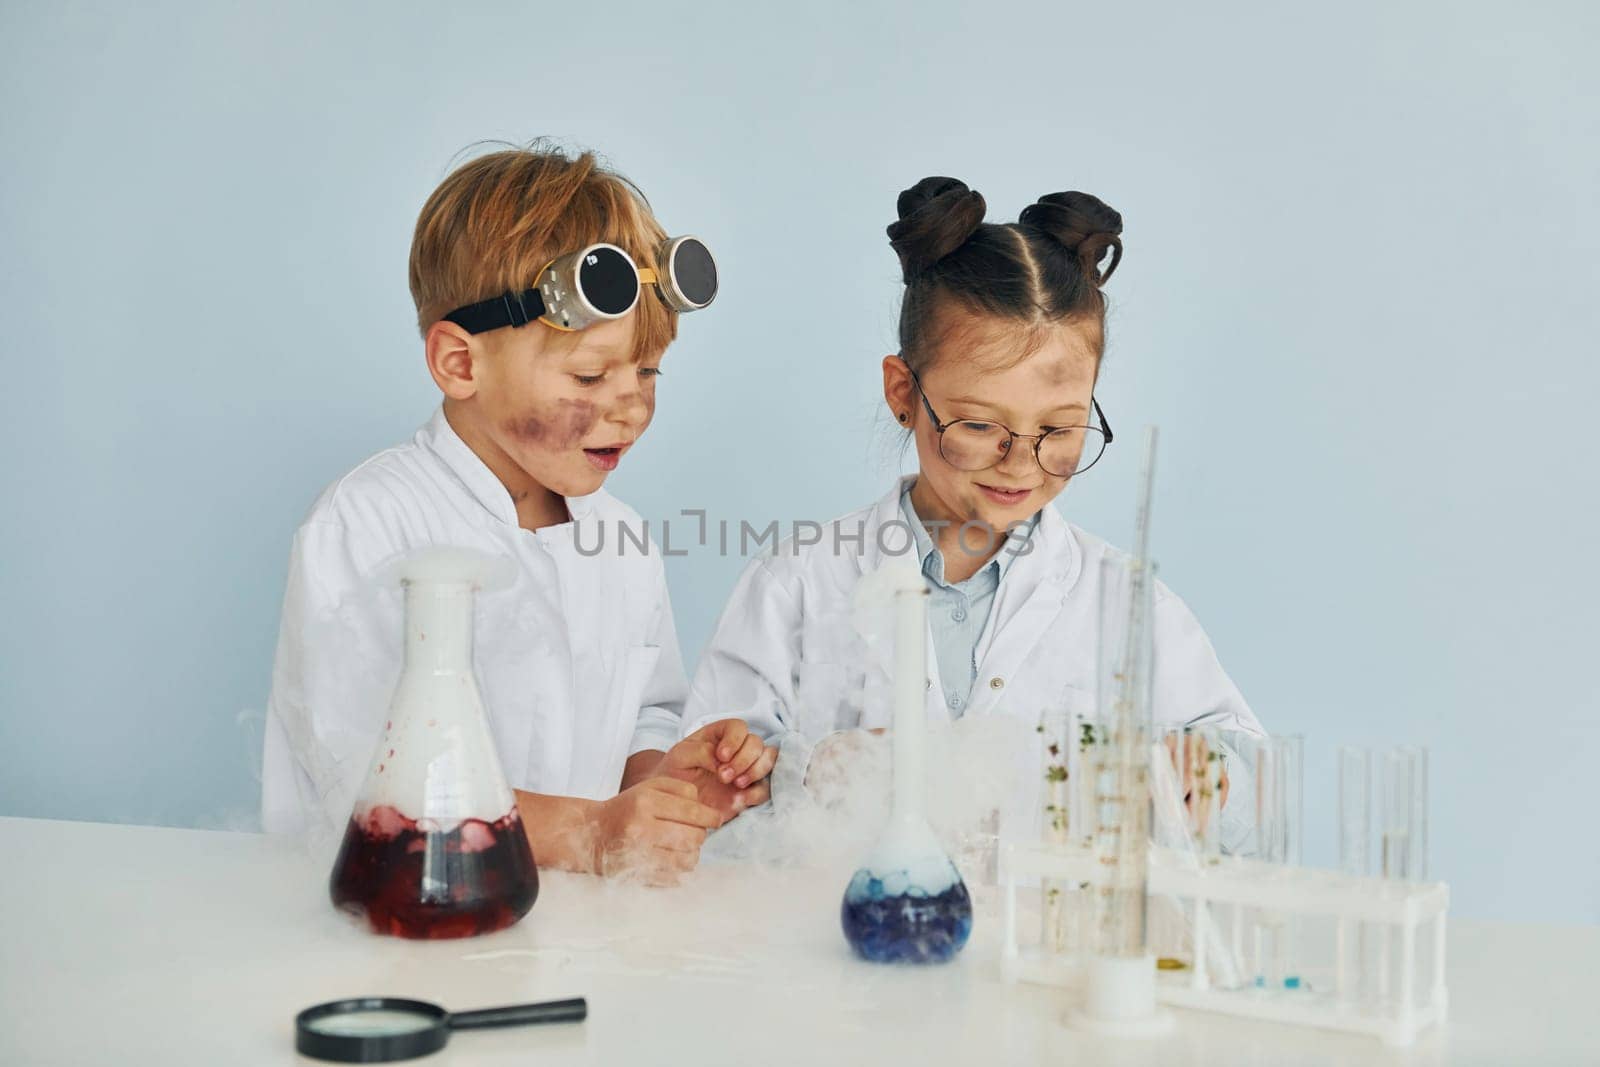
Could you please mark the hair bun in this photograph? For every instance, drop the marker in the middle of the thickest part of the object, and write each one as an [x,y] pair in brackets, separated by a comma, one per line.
[937,216]
[1083,224]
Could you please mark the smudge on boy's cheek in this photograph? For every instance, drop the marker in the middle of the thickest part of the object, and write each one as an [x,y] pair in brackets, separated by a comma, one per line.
[569,423]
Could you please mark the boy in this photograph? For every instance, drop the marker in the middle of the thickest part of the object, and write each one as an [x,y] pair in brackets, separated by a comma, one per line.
[578,661]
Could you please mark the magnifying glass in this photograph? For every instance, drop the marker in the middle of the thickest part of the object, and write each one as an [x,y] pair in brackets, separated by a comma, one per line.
[378,1029]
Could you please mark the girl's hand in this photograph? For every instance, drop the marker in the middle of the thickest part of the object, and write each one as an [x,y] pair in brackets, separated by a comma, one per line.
[840,760]
[726,763]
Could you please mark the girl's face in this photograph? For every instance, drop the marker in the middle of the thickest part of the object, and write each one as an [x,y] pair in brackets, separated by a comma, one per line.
[975,373]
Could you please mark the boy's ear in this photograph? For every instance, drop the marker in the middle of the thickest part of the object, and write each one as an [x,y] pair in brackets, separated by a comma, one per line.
[449,352]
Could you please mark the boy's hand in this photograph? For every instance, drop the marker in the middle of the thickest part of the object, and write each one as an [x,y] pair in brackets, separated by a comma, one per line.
[653,830]
[726,763]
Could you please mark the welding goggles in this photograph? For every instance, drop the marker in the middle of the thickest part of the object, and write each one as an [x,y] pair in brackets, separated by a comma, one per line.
[597,284]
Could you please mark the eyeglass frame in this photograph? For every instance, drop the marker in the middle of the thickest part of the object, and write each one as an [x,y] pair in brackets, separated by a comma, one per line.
[1036,438]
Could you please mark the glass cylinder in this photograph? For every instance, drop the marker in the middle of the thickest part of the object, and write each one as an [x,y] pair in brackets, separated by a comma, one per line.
[1121,765]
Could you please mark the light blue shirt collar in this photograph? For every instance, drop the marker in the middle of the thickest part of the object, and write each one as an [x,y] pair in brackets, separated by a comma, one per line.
[932,559]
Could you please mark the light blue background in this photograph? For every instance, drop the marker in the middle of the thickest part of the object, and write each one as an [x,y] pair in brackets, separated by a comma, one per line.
[1359,297]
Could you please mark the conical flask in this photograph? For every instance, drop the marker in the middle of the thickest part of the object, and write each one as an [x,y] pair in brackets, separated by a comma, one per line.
[435,847]
[907,902]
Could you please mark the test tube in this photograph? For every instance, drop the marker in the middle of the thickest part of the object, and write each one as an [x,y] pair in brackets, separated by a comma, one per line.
[1355,860]
[1419,813]
[1055,749]
[1403,825]
[1169,788]
[1404,814]
[1187,803]
[1205,777]
[1055,753]
[1196,757]
[1355,810]
[1088,735]
[1279,806]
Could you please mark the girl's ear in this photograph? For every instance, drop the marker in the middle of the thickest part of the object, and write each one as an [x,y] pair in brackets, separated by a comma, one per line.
[450,360]
[898,391]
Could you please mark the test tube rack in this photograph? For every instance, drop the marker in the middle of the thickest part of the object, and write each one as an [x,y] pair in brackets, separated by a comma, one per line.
[1409,918]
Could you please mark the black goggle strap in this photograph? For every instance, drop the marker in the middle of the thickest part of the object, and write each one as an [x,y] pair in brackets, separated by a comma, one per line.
[507,309]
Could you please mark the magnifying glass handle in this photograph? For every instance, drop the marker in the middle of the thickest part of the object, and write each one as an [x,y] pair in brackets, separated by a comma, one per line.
[549,1011]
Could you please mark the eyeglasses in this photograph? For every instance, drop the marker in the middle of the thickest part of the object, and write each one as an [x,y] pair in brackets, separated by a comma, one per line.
[975,445]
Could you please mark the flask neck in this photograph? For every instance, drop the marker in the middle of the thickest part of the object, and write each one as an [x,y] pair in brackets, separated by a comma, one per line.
[910,673]
[438,627]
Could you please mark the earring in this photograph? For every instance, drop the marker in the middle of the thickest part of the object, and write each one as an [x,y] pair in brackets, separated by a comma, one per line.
[902,416]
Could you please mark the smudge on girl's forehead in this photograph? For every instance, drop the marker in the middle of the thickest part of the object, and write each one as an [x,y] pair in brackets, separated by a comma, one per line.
[1057,366]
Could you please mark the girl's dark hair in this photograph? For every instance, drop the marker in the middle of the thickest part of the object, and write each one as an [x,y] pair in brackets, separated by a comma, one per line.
[1042,269]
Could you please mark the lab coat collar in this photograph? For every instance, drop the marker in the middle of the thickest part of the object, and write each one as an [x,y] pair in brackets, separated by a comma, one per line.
[479,481]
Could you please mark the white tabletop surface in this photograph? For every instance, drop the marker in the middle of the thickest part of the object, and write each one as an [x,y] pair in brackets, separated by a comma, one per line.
[139,945]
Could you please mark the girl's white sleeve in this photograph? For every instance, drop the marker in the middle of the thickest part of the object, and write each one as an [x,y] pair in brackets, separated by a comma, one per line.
[747,670]
[1191,689]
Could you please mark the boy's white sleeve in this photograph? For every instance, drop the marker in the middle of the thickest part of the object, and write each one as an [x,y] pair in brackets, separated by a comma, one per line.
[1191,689]
[661,704]
[337,660]
[747,670]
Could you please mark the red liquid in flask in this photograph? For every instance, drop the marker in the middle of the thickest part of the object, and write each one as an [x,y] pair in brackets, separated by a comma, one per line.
[412,882]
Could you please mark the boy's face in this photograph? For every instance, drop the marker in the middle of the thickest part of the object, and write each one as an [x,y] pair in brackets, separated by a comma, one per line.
[565,407]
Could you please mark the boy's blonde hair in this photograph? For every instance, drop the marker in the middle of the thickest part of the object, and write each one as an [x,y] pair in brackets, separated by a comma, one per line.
[498,220]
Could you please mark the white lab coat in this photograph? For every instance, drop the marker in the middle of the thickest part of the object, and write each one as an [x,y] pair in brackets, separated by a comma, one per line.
[577,661]
[786,658]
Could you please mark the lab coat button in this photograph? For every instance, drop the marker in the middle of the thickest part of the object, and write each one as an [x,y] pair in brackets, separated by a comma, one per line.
[997,683]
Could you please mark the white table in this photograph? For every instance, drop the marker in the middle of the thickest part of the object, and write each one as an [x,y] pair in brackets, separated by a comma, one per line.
[139,945]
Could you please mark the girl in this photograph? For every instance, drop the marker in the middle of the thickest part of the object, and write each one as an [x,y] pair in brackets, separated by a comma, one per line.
[1002,331]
